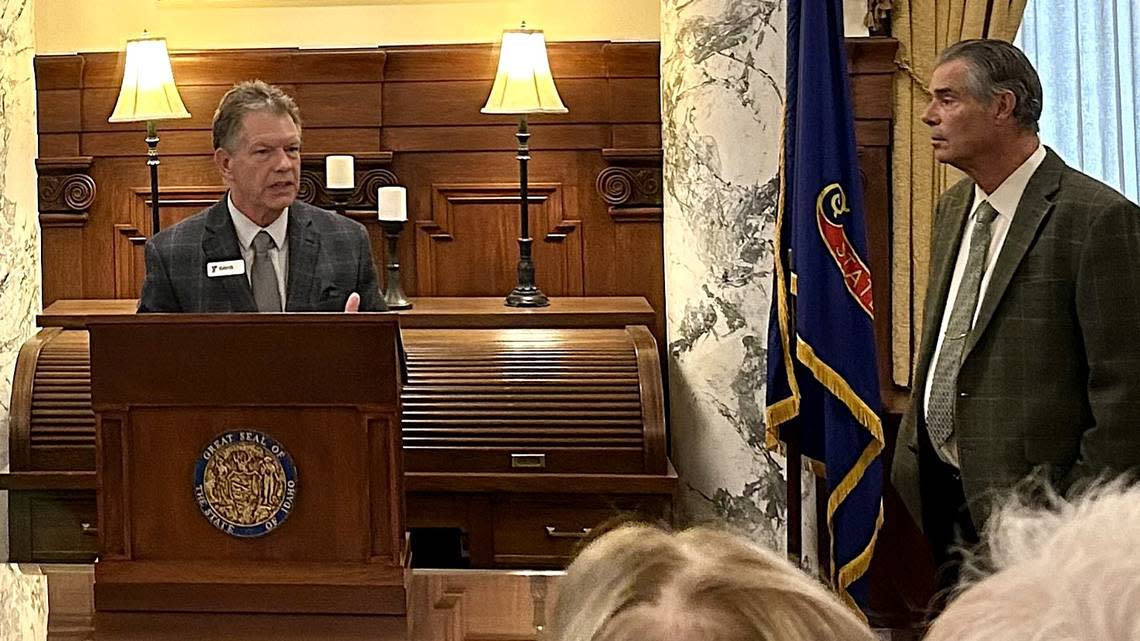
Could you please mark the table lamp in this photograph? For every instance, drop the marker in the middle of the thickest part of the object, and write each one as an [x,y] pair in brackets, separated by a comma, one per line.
[148,93]
[523,85]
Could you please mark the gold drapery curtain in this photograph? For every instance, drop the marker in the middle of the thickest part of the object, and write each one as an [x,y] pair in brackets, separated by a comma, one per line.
[923,29]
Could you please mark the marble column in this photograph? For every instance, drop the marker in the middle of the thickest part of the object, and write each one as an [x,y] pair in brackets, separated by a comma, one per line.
[19,230]
[23,601]
[722,93]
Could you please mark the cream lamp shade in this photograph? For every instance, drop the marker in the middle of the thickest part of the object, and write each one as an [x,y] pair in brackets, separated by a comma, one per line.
[523,84]
[148,91]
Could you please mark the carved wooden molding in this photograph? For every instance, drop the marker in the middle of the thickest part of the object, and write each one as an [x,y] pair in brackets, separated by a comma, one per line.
[371,172]
[446,615]
[548,225]
[130,263]
[66,190]
[131,235]
[631,185]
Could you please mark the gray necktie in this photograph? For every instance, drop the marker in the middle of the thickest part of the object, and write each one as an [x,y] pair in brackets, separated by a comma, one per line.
[943,385]
[263,276]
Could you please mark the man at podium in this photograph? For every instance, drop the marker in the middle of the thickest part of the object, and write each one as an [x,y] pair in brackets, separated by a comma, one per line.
[260,249]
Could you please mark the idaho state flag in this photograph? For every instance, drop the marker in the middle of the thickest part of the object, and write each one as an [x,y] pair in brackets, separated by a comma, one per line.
[822,378]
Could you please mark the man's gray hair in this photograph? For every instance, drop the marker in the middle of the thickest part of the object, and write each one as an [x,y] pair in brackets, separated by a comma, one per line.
[244,97]
[1053,569]
[996,66]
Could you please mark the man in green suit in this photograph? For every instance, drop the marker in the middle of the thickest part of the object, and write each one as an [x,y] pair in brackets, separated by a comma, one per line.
[1030,356]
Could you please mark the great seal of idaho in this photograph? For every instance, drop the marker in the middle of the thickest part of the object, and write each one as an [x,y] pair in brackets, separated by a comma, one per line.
[245,483]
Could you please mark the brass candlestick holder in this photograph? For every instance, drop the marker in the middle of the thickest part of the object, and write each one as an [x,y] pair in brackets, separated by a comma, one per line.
[394,292]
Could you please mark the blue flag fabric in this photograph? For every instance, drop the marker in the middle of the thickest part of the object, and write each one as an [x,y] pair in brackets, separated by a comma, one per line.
[823,385]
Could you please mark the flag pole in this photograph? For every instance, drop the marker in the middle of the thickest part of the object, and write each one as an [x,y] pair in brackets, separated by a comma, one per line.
[792,447]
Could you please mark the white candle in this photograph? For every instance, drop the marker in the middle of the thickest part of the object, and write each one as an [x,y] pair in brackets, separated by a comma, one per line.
[338,172]
[393,203]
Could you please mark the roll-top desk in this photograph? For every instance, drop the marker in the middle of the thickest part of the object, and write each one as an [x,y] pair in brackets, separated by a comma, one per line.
[523,428]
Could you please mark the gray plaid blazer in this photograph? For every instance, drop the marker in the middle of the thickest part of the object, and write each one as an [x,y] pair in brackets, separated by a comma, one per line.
[1050,375]
[329,258]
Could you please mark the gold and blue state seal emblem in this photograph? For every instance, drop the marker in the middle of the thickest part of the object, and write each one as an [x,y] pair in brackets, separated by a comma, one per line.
[245,483]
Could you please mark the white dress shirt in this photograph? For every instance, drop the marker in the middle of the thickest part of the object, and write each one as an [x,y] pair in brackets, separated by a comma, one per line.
[246,229]
[1004,200]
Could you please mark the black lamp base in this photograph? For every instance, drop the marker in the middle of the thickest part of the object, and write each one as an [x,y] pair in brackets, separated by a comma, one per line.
[525,293]
[527,296]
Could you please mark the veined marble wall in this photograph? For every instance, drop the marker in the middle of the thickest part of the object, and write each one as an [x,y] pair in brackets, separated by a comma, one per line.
[722,77]
[19,229]
[23,602]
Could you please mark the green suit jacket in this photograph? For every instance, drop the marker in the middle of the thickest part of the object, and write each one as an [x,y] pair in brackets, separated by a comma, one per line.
[1050,374]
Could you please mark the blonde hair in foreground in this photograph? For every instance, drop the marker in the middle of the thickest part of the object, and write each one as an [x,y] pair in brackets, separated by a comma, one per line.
[1054,570]
[639,583]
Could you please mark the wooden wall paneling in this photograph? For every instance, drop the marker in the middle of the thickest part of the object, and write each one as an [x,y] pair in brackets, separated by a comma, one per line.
[131,144]
[53,145]
[130,263]
[468,245]
[632,59]
[872,94]
[479,61]
[876,200]
[59,71]
[61,260]
[120,179]
[635,100]
[59,110]
[324,105]
[225,67]
[357,104]
[636,136]
[627,252]
[458,103]
[175,204]
[200,101]
[871,68]
[585,137]
[66,192]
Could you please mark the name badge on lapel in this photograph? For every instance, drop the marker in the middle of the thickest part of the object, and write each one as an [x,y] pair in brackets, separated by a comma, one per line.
[225,268]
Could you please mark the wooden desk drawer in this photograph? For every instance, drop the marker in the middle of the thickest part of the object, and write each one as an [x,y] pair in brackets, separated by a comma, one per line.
[59,527]
[546,533]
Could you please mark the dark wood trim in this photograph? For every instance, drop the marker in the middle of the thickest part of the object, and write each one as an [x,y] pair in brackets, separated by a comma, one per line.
[48,480]
[428,482]
[652,398]
[23,387]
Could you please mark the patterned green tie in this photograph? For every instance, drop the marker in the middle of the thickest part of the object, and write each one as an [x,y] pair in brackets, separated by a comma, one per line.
[943,385]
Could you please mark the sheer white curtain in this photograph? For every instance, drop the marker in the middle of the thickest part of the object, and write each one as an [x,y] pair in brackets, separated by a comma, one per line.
[1087,53]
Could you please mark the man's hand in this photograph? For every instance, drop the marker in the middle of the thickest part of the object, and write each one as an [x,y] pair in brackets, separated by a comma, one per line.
[352,305]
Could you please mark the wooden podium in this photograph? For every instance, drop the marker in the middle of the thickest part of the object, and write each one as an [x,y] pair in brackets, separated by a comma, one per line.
[249,463]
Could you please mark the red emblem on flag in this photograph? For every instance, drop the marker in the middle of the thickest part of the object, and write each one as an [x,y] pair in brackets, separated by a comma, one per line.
[830,207]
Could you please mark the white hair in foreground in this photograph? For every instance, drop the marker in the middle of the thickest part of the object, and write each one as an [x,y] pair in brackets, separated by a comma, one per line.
[1054,570]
